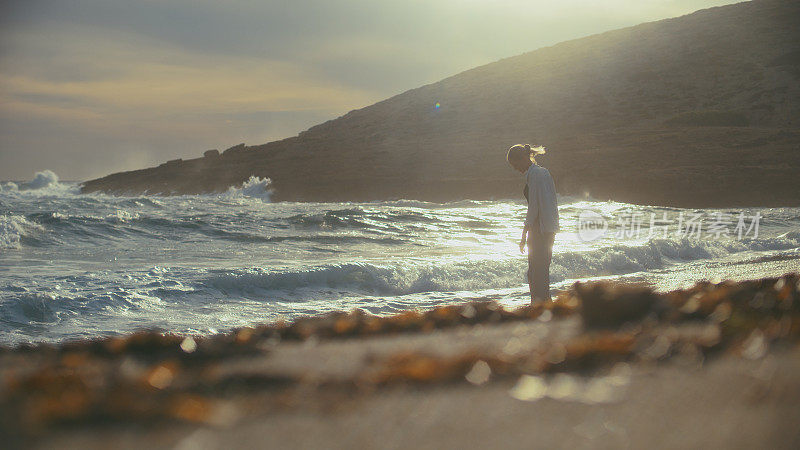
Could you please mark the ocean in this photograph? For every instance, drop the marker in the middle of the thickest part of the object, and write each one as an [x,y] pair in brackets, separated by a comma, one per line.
[75,266]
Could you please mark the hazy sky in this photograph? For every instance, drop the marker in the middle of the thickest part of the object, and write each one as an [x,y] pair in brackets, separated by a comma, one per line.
[88,87]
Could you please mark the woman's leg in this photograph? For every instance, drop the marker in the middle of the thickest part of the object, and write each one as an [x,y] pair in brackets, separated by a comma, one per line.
[546,258]
[531,267]
[540,253]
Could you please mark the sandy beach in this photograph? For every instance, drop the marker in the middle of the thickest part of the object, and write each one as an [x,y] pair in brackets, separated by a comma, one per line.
[605,365]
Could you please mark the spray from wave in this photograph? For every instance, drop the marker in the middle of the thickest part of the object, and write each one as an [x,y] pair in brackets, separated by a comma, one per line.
[255,187]
[47,183]
[44,183]
[43,179]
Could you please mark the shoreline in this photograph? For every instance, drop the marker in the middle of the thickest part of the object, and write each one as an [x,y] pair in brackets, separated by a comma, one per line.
[587,343]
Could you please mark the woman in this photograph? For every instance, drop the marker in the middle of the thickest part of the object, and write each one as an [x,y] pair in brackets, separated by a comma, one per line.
[541,221]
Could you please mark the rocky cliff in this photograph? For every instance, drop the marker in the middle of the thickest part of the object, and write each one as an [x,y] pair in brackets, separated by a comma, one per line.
[699,110]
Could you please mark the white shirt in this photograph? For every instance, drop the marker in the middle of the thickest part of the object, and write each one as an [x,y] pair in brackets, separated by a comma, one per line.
[542,203]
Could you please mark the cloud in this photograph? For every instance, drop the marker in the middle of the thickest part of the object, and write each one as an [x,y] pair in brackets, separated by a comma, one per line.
[157,96]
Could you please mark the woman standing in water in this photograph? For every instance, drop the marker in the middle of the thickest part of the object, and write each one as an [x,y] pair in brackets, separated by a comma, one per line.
[541,221]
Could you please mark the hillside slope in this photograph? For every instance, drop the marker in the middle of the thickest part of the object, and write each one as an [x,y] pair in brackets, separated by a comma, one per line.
[699,110]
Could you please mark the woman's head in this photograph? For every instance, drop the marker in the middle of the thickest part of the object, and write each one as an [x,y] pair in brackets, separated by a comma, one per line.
[521,156]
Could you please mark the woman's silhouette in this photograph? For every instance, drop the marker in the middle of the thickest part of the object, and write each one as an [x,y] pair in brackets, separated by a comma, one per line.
[541,220]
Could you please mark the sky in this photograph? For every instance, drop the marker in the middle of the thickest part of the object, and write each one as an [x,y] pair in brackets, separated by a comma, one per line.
[91,87]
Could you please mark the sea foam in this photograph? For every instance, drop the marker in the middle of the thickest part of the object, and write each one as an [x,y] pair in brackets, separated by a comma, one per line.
[255,187]
[473,275]
[44,183]
[13,228]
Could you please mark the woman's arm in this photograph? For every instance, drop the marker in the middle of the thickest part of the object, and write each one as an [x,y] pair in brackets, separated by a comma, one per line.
[524,239]
[532,215]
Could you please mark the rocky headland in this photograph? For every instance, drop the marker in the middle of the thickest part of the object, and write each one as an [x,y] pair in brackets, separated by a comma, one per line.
[695,111]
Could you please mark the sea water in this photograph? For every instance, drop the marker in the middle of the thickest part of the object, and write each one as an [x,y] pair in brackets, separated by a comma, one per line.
[78,266]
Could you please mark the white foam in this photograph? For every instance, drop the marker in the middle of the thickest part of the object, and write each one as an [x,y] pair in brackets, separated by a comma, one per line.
[121,216]
[13,228]
[448,276]
[44,183]
[371,279]
[255,187]
[9,186]
[43,179]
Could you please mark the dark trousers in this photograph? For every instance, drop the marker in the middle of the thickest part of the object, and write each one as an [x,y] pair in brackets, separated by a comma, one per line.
[540,252]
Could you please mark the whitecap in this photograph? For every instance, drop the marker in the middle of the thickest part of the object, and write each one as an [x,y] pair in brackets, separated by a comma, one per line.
[255,187]
[13,228]
[44,183]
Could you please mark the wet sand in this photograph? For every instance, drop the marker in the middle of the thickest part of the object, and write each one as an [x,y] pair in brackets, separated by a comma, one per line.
[605,365]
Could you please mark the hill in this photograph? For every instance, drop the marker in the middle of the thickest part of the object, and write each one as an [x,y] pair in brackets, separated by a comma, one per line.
[699,110]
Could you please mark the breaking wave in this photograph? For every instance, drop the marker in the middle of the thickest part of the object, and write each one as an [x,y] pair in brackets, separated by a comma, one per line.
[386,280]
[255,187]
[14,228]
[44,183]
[373,280]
